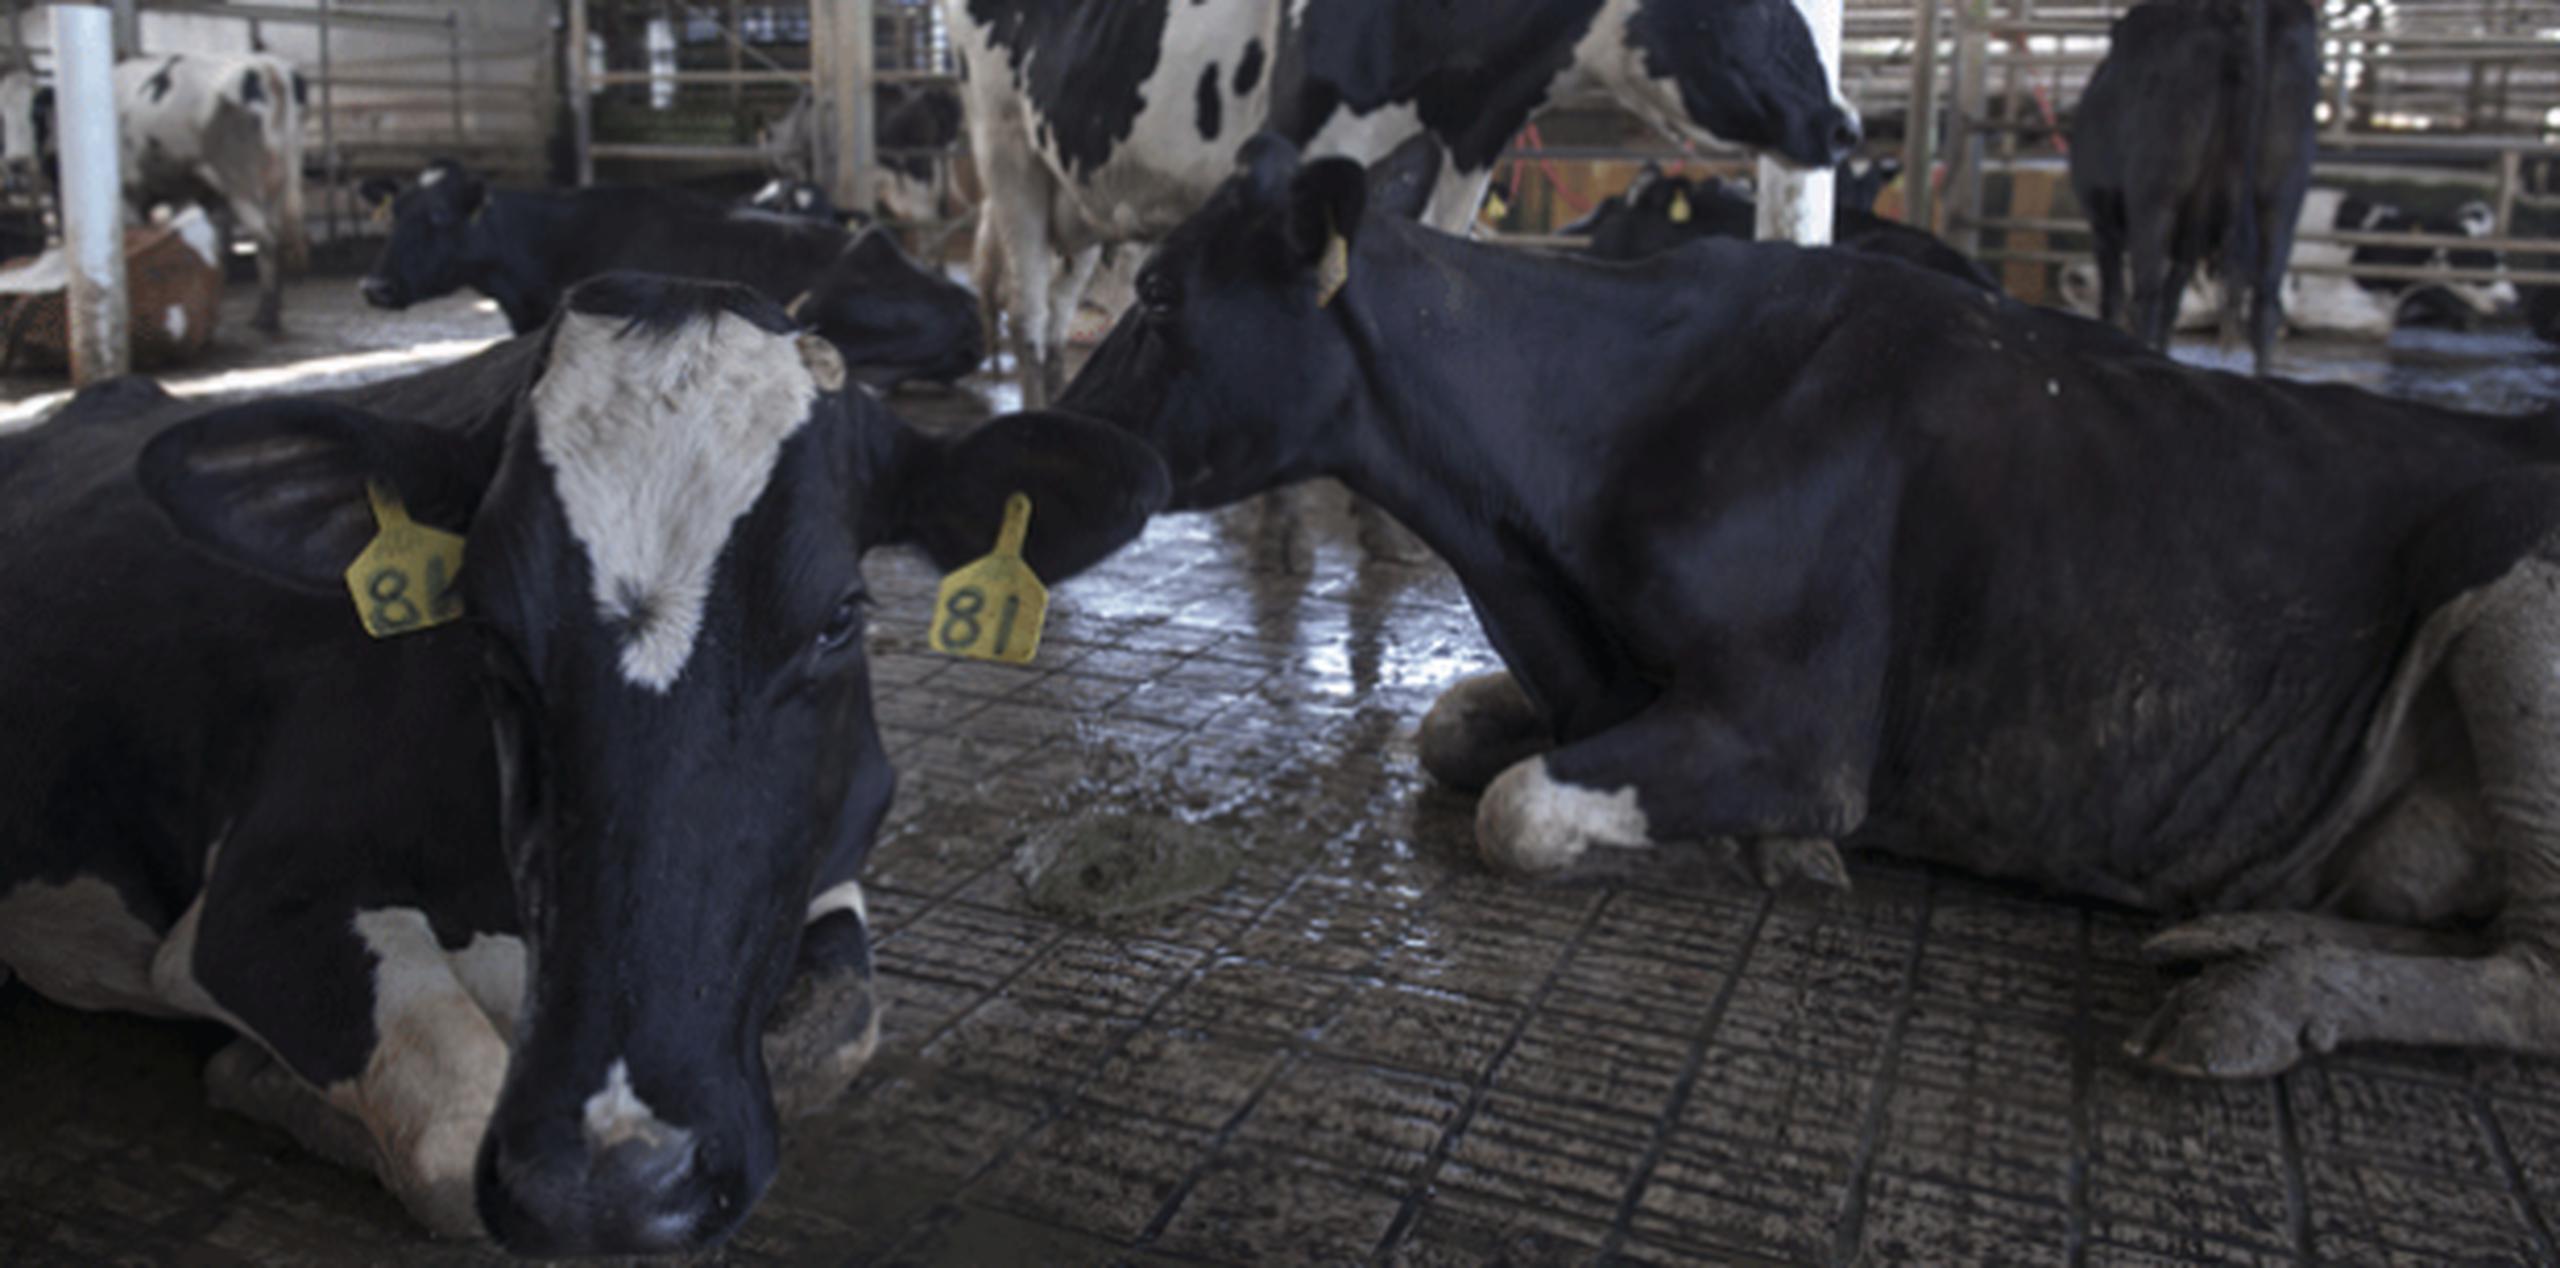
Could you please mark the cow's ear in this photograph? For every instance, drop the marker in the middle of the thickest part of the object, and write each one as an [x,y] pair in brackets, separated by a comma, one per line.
[281,487]
[1400,184]
[1092,489]
[1326,199]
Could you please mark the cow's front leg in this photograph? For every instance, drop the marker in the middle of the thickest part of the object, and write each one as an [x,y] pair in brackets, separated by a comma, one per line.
[1480,728]
[1672,774]
[2235,935]
[2258,1017]
[827,1024]
[245,1079]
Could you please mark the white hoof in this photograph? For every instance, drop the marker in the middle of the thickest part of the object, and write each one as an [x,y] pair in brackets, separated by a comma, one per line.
[1528,823]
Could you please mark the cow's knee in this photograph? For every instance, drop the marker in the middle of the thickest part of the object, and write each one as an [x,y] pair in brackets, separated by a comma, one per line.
[1479,728]
[1531,823]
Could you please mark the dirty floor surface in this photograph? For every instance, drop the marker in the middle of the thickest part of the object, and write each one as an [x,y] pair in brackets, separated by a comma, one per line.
[1349,1044]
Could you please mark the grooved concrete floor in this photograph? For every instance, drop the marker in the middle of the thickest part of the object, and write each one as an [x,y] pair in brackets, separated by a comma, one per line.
[1361,1048]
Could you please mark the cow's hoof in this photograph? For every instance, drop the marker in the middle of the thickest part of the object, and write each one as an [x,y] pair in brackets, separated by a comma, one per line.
[2243,1021]
[1530,824]
[1480,727]
[1782,863]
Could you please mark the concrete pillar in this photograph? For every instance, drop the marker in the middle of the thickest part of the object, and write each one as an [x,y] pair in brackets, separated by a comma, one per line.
[84,59]
[1795,205]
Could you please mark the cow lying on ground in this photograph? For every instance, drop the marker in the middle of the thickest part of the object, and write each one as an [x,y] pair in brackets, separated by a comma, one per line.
[1100,124]
[1815,550]
[2191,145]
[510,901]
[893,320]
[913,124]
[2333,303]
[782,196]
[224,131]
[1660,212]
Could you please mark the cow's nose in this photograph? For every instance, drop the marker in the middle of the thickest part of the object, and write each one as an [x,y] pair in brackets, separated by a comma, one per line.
[1845,135]
[635,1198]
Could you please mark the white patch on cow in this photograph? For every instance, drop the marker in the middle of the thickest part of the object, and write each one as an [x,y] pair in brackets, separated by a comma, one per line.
[77,943]
[17,118]
[429,178]
[1610,58]
[173,967]
[772,192]
[658,444]
[616,1115]
[1529,822]
[195,228]
[491,968]
[432,1080]
[175,320]
[43,274]
[2053,387]
[845,897]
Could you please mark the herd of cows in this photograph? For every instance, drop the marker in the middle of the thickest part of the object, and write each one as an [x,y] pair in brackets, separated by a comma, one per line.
[493,748]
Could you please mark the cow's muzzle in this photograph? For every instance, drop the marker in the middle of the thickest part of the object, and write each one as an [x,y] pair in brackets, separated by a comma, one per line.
[642,1196]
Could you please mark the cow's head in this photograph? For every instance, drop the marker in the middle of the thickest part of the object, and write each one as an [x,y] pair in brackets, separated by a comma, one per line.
[432,246]
[663,573]
[2465,303]
[782,196]
[894,319]
[1235,363]
[1742,70]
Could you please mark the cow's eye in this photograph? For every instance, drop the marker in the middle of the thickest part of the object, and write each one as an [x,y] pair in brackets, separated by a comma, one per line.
[844,624]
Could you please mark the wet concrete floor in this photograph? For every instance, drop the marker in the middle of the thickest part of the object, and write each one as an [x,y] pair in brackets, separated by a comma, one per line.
[1359,1047]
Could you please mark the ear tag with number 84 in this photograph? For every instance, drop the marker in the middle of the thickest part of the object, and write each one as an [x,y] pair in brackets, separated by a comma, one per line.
[993,609]
[404,581]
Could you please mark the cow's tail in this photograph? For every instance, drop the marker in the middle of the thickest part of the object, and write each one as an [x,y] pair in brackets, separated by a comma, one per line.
[2240,239]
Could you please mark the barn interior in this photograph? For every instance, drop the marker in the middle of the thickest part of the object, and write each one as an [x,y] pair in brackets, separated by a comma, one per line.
[1183,957]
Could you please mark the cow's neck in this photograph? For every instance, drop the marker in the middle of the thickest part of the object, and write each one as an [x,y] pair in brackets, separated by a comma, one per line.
[514,242]
[1492,422]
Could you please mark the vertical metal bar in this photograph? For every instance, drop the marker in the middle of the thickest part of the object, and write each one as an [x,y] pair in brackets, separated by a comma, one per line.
[84,57]
[1795,204]
[453,66]
[737,60]
[1964,131]
[856,145]
[1920,120]
[2510,174]
[334,176]
[581,122]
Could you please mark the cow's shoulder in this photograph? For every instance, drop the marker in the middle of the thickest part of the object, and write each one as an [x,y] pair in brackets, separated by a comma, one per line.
[1081,67]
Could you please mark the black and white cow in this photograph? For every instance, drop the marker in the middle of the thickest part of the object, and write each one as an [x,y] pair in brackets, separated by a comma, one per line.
[2193,144]
[2324,302]
[222,130]
[1789,550]
[893,320]
[1098,124]
[548,914]
[1661,212]
[783,196]
[226,131]
[913,124]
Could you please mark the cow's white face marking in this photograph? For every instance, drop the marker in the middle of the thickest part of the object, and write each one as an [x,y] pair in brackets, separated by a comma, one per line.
[429,178]
[658,444]
[78,944]
[1529,822]
[616,1114]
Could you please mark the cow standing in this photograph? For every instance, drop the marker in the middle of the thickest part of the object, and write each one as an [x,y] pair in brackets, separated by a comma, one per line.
[2193,145]
[1786,550]
[222,130]
[545,915]
[1096,124]
[893,320]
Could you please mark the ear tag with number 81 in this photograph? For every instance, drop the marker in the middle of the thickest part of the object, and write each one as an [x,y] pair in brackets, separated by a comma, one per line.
[404,581]
[993,609]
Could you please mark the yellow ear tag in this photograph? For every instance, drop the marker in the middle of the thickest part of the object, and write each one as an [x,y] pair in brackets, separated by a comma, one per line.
[993,609]
[1333,272]
[404,581]
[1679,209]
[1495,209]
[381,214]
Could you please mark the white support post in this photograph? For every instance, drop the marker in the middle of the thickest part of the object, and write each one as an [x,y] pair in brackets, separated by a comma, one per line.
[84,60]
[1795,205]
[851,72]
